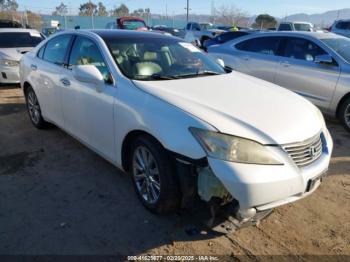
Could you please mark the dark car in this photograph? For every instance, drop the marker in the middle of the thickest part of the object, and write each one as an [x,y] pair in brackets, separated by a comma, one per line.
[225,37]
[173,31]
[4,23]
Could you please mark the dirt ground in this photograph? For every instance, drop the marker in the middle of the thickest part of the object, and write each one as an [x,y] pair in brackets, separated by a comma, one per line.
[58,197]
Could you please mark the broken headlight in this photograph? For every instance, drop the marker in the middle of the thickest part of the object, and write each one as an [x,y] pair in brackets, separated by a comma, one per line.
[234,149]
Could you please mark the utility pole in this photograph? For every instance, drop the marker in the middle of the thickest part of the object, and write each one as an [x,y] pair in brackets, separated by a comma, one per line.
[166,9]
[188,9]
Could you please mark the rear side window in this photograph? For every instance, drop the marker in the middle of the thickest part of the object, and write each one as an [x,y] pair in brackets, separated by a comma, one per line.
[56,49]
[20,39]
[262,45]
[302,49]
[343,25]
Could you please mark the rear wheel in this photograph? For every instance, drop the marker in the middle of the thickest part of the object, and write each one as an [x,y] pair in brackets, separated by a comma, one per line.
[34,109]
[153,175]
[344,113]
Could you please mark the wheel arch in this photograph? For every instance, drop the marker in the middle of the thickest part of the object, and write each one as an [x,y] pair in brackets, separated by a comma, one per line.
[26,85]
[346,96]
[127,143]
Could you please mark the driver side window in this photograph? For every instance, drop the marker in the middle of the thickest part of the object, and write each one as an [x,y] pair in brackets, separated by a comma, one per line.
[302,49]
[85,52]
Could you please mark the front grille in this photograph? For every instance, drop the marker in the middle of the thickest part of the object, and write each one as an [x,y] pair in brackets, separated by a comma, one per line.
[305,153]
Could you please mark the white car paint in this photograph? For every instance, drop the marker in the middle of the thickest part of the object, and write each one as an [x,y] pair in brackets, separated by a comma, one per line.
[14,55]
[234,104]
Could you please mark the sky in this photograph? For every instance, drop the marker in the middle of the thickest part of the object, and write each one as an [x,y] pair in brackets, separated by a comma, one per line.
[278,8]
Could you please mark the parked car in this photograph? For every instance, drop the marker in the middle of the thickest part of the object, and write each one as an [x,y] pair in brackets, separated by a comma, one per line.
[15,42]
[128,23]
[341,27]
[199,32]
[295,26]
[224,37]
[314,65]
[170,30]
[168,114]
[5,23]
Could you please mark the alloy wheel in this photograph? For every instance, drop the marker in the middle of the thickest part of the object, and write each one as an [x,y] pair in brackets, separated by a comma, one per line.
[33,107]
[146,175]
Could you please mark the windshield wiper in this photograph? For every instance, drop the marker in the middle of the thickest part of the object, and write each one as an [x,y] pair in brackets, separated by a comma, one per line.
[162,77]
[199,73]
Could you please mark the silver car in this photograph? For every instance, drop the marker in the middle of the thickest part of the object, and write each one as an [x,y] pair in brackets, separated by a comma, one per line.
[341,27]
[314,65]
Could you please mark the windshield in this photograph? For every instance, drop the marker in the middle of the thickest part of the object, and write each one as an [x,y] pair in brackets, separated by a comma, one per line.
[22,39]
[160,58]
[302,27]
[205,27]
[133,24]
[340,46]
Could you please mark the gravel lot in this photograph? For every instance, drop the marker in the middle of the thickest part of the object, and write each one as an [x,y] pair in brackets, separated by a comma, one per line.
[58,197]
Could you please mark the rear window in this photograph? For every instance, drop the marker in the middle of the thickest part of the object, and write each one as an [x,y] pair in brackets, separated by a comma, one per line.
[343,25]
[302,27]
[285,27]
[20,39]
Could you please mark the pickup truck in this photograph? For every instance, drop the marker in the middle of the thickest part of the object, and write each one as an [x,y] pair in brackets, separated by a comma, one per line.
[199,32]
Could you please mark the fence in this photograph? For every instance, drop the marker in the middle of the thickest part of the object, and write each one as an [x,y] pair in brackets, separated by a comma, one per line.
[99,22]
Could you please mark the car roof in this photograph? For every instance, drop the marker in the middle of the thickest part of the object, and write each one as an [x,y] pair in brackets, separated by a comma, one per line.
[317,35]
[17,30]
[109,33]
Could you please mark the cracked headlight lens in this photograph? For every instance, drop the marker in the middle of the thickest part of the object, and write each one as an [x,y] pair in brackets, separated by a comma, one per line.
[234,149]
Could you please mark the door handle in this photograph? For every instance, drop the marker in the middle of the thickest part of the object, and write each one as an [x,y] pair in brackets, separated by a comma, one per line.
[65,82]
[33,67]
[285,64]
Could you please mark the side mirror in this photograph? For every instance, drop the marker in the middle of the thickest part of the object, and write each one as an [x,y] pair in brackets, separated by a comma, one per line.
[89,74]
[221,62]
[324,59]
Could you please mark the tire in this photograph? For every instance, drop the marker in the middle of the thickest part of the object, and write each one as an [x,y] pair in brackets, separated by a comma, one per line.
[158,191]
[344,113]
[34,109]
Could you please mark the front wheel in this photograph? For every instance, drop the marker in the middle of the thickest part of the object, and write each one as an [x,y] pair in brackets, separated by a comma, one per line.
[153,175]
[344,113]
[34,109]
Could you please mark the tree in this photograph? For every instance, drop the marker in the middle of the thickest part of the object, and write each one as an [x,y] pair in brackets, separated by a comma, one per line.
[34,20]
[122,10]
[8,5]
[61,10]
[102,11]
[88,9]
[265,21]
[229,15]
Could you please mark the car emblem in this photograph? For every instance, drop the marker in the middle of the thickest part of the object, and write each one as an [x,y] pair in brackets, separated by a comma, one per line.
[312,151]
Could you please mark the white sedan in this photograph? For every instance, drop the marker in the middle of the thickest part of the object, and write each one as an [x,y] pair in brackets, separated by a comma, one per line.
[14,42]
[177,121]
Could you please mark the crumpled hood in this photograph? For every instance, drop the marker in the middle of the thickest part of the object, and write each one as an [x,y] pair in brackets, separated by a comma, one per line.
[14,53]
[242,105]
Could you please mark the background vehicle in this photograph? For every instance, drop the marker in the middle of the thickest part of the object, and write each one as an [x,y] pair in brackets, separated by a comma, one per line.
[173,31]
[128,23]
[4,23]
[224,37]
[14,43]
[199,32]
[341,27]
[145,103]
[314,65]
[295,26]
